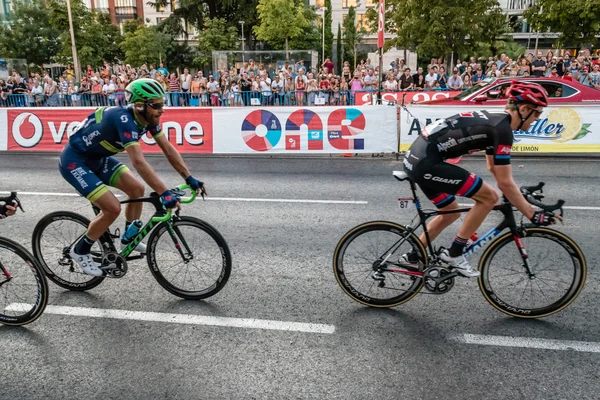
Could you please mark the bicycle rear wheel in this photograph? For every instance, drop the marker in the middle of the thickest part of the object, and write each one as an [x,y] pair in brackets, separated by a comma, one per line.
[192,261]
[558,264]
[52,240]
[359,255]
[23,286]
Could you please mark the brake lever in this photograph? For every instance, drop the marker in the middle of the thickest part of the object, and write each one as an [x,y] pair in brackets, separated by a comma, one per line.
[19,203]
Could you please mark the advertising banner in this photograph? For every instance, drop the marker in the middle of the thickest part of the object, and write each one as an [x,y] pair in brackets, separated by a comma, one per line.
[222,130]
[306,130]
[370,98]
[565,129]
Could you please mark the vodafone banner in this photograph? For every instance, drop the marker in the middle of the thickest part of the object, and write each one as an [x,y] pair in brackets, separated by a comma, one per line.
[562,129]
[47,129]
[370,98]
[223,130]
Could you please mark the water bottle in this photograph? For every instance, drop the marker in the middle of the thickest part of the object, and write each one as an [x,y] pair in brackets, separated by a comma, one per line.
[472,239]
[131,231]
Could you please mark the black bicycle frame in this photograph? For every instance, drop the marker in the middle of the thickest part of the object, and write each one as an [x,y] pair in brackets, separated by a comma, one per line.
[508,222]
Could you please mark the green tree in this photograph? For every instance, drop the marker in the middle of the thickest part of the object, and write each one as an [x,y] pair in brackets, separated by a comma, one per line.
[339,50]
[280,19]
[310,38]
[351,36]
[145,45]
[179,55]
[328,30]
[440,27]
[186,13]
[30,34]
[96,38]
[215,35]
[577,20]
[494,29]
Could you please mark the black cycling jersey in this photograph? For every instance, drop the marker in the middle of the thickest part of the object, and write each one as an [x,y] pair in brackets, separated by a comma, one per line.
[452,137]
[472,131]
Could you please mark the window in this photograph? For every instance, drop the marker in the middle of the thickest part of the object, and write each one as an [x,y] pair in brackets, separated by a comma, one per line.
[348,3]
[160,8]
[173,5]
[362,23]
[320,3]
[101,5]
[371,3]
[160,19]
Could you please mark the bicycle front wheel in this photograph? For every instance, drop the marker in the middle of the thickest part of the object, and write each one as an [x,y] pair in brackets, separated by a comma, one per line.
[360,254]
[23,286]
[189,258]
[558,271]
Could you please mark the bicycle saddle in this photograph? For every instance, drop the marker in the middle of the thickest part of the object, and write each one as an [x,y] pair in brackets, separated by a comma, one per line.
[400,175]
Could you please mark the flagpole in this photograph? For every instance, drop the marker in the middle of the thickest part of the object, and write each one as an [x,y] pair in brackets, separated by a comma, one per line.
[380,42]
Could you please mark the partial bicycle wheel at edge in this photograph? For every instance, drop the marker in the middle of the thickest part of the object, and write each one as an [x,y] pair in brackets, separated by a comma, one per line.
[359,253]
[206,263]
[52,239]
[23,286]
[557,261]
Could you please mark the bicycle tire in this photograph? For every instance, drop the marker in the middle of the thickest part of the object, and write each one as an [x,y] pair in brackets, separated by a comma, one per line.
[562,240]
[65,280]
[351,290]
[28,316]
[159,271]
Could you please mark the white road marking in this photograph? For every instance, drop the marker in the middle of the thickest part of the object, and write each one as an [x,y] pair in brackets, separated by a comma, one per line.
[249,323]
[288,200]
[583,208]
[243,199]
[530,343]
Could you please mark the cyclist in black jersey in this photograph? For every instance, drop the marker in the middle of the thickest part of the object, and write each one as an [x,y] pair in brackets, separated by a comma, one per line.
[462,134]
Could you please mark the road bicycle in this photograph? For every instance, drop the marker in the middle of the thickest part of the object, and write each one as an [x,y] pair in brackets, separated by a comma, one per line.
[187,256]
[23,285]
[526,272]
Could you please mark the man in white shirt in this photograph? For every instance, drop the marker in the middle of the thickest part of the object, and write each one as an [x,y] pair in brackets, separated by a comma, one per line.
[265,90]
[370,81]
[109,89]
[431,77]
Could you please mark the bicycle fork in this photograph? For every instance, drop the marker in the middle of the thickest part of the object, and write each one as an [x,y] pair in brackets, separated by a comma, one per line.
[177,238]
[7,276]
[519,242]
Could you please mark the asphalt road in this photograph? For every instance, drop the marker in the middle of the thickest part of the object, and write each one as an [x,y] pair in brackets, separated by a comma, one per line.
[282,271]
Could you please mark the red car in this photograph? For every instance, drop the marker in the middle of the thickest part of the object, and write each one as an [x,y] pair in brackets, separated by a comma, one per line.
[490,91]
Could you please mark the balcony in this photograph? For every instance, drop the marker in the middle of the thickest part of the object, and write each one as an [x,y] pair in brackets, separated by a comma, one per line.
[126,12]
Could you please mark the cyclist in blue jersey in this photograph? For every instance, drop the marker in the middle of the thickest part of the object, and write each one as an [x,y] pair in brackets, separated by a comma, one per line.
[87,164]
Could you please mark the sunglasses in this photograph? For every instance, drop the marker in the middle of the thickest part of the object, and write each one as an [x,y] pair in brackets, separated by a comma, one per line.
[156,106]
[536,113]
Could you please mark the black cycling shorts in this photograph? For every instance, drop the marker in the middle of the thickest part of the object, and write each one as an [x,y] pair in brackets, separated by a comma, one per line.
[439,180]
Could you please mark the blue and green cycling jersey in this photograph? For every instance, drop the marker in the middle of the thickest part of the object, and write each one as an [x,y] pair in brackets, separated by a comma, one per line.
[108,131]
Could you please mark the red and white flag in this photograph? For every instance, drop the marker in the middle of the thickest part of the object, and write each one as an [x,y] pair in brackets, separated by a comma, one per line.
[381,23]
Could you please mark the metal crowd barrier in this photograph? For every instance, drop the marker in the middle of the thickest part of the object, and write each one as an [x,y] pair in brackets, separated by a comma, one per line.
[189,99]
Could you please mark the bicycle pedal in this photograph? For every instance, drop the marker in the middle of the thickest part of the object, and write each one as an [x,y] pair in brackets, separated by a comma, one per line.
[378,276]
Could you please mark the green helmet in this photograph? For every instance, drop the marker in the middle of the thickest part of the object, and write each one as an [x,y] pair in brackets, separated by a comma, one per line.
[143,90]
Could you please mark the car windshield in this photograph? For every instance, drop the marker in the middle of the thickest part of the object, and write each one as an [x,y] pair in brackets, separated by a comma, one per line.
[484,83]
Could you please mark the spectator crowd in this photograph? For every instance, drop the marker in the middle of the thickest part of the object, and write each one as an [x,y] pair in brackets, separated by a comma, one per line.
[288,84]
